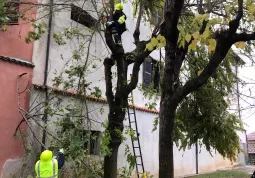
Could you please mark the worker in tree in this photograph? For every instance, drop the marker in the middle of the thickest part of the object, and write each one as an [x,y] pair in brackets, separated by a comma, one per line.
[118,25]
[47,166]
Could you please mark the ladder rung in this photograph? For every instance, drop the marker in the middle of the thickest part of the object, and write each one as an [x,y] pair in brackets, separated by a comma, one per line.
[139,164]
[131,113]
[136,147]
[132,121]
[138,156]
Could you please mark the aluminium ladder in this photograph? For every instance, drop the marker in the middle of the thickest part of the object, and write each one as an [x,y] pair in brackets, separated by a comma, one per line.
[135,141]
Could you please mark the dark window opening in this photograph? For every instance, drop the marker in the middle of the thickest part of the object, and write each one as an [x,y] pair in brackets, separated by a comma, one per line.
[92,144]
[151,73]
[10,12]
[83,17]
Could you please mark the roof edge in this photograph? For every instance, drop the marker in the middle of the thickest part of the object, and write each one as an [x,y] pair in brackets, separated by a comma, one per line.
[17,61]
[92,98]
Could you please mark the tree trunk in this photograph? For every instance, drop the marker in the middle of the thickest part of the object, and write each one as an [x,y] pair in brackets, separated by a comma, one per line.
[166,128]
[115,118]
[111,162]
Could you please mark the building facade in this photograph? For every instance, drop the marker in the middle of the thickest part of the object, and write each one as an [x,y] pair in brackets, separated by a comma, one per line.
[251,147]
[51,59]
[15,63]
[60,55]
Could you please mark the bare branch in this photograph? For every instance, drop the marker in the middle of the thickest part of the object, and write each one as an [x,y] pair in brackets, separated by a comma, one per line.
[138,22]
[222,47]
[112,8]
[108,63]
[234,24]
[244,37]
[139,59]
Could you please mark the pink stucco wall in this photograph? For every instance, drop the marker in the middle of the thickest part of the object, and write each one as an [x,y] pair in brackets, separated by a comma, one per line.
[13,40]
[13,45]
[10,147]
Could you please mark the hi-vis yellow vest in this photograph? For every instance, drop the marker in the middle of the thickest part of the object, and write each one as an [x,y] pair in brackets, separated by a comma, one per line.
[47,169]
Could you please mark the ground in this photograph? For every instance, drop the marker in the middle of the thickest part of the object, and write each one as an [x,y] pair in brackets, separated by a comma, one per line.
[224,174]
[238,172]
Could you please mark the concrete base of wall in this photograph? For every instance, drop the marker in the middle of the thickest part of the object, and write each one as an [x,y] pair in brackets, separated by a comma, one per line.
[12,168]
[20,167]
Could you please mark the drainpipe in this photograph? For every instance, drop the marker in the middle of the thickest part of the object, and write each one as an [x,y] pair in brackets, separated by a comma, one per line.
[45,118]
[196,158]
[196,145]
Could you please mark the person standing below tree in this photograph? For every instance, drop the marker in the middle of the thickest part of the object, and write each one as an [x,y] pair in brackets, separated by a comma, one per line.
[47,166]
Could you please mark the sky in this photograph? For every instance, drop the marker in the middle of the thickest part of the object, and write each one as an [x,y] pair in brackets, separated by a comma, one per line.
[247,93]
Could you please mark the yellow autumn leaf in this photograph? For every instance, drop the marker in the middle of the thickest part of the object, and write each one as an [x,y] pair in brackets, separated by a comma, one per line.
[196,35]
[212,42]
[149,47]
[206,16]
[161,39]
[211,48]
[188,37]
[198,73]
[206,34]
[251,8]
[198,17]
[158,37]
[182,43]
[240,44]
[154,42]
[194,45]
[250,17]
[161,45]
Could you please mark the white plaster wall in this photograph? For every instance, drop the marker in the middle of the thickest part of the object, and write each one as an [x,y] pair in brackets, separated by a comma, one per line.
[57,63]
[185,162]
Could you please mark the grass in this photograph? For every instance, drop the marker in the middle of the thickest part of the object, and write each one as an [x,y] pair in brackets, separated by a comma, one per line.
[224,174]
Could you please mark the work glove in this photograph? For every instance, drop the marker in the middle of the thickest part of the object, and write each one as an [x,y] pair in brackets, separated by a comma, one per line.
[61,150]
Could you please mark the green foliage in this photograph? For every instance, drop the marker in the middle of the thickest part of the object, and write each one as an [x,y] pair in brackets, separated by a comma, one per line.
[224,174]
[97,92]
[39,29]
[155,124]
[70,129]
[203,116]
[104,141]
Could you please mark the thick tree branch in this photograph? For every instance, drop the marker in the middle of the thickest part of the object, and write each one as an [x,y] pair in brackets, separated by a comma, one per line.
[234,24]
[139,58]
[110,43]
[138,22]
[172,14]
[244,37]
[223,45]
[111,8]
[240,10]
[108,63]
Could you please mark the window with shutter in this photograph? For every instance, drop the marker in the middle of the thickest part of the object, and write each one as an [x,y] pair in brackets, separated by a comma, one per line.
[82,17]
[151,73]
[147,72]
[94,142]
[156,74]
[10,12]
